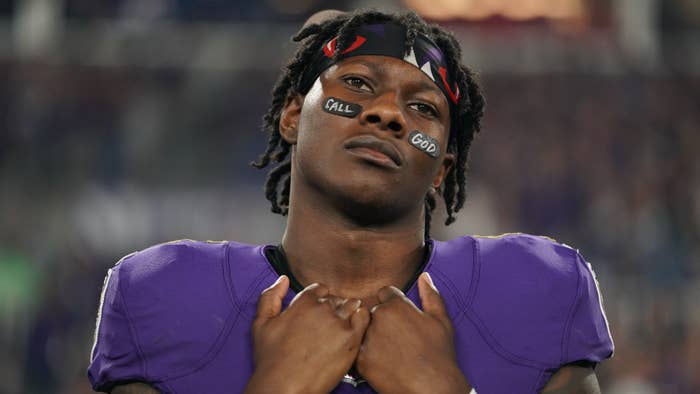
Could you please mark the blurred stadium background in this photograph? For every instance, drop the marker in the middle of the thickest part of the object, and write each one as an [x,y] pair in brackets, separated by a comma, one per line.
[125,123]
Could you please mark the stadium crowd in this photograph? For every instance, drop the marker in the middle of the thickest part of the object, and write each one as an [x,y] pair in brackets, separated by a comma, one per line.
[96,162]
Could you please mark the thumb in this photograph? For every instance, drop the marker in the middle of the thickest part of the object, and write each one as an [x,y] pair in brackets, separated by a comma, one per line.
[359,321]
[270,301]
[431,299]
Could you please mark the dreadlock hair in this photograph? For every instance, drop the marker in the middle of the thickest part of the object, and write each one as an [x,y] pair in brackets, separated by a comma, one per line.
[464,124]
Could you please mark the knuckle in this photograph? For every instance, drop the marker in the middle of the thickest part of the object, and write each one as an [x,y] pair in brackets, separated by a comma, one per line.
[338,302]
[385,292]
[343,314]
[325,304]
[383,311]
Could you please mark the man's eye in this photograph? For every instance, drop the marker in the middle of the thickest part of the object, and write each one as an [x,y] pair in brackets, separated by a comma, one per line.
[357,83]
[425,108]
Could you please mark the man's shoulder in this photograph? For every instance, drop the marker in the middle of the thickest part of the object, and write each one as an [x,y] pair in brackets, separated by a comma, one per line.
[511,255]
[522,267]
[164,281]
[520,254]
[531,283]
[180,261]
[176,298]
[188,272]
[181,254]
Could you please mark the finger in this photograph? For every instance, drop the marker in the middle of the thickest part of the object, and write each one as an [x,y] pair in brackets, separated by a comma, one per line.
[334,301]
[318,290]
[386,293]
[314,291]
[346,310]
[391,295]
[359,321]
[270,301]
[432,301]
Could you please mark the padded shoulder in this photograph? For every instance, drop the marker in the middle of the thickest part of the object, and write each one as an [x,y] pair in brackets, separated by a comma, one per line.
[172,267]
[525,296]
[175,301]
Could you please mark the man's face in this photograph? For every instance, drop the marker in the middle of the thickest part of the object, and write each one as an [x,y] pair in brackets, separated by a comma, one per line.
[366,162]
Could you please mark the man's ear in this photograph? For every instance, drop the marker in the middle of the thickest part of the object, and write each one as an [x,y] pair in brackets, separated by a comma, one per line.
[447,162]
[289,118]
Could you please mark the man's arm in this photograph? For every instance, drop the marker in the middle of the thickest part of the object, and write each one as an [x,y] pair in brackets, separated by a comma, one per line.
[572,379]
[134,388]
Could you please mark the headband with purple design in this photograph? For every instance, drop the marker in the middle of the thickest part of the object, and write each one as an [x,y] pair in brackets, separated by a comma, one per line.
[387,39]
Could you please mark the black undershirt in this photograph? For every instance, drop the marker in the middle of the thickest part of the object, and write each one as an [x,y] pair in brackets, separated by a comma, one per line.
[277,258]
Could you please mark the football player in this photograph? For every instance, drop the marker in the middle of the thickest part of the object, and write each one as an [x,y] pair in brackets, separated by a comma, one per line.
[371,121]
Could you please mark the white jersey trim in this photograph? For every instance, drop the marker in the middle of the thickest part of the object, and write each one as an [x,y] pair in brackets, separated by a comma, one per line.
[600,303]
[99,314]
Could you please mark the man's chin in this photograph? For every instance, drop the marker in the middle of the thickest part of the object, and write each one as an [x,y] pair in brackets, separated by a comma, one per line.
[372,212]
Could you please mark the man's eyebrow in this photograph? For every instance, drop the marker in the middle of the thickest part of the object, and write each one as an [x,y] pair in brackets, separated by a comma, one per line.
[373,67]
[381,71]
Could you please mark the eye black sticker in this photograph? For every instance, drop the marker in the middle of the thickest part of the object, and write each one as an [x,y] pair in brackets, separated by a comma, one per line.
[424,143]
[337,106]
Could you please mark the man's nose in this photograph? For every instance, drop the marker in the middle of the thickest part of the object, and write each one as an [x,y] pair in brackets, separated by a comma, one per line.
[385,113]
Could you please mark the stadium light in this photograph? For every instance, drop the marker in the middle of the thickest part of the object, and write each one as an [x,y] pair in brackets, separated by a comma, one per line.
[483,9]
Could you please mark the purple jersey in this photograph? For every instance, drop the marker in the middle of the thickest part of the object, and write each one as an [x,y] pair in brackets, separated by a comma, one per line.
[178,315]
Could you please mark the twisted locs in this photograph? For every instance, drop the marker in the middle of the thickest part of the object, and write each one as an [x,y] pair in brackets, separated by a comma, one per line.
[464,124]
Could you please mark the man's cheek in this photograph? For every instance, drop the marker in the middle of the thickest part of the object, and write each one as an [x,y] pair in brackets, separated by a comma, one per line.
[424,143]
[336,106]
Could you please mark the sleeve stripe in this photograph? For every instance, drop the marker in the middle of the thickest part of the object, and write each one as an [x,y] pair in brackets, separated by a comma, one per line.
[600,302]
[99,313]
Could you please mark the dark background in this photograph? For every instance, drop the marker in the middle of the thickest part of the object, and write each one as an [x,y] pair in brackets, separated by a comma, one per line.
[128,123]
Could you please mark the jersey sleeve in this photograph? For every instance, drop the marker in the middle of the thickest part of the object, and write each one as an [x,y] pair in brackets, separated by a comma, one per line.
[588,333]
[115,357]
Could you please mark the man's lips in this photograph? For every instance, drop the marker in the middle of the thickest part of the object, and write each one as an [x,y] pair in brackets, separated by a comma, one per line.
[375,148]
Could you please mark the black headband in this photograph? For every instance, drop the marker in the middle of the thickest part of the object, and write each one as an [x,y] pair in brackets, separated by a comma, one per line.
[387,39]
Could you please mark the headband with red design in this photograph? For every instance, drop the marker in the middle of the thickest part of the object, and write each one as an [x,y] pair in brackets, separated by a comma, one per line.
[387,39]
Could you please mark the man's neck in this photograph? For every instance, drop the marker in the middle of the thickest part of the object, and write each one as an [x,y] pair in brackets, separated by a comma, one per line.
[324,246]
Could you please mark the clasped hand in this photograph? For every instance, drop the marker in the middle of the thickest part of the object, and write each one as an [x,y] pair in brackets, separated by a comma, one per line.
[395,346]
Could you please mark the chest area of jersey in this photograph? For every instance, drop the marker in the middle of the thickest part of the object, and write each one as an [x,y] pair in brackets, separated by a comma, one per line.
[231,366]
